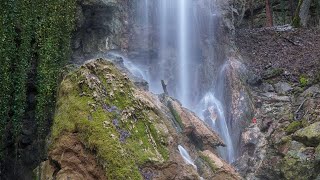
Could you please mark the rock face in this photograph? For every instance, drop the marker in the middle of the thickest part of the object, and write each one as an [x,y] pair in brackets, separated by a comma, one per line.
[106,128]
[299,162]
[282,142]
[101,25]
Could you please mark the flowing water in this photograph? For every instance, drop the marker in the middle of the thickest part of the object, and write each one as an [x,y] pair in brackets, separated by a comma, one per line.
[186,157]
[180,28]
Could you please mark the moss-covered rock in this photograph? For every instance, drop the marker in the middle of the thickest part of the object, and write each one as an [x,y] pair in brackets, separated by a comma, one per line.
[309,135]
[97,103]
[297,164]
[293,127]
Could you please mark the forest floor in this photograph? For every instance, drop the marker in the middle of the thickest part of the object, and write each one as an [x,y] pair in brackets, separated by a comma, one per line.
[295,51]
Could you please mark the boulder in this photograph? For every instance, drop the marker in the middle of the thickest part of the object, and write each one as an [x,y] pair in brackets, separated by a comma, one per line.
[315,89]
[283,87]
[212,167]
[298,162]
[196,128]
[309,136]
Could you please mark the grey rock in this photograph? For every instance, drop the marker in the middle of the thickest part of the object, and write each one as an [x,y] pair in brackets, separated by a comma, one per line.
[254,80]
[275,97]
[266,87]
[315,89]
[283,87]
[298,162]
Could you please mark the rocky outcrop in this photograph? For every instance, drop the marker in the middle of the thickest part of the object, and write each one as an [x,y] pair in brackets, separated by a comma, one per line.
[107,128]
[283,136]
[299,162]
[309,135]
[101,25]
[218,169]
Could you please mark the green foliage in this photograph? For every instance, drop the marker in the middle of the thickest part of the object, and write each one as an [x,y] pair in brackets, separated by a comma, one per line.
[53,38]
[33,33]
[177,119]
[293,127]
[7,53]
[303,80]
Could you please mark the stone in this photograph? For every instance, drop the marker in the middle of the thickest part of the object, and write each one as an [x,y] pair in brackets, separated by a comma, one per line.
[315,89]
[309,135]
[298,162]
[283,88]
[271,73]
[275,97]
[219,167]
[266,87]
[254,80]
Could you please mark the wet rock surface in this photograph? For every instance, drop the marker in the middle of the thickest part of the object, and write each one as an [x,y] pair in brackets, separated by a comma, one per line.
[101,25]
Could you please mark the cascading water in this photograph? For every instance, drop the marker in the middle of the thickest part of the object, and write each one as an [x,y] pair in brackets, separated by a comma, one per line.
[212,112]
[180,30]
[186,157]
[184,57]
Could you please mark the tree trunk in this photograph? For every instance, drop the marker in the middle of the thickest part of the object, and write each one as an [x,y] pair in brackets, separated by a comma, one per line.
[304,12]
[251,12]
[269,14]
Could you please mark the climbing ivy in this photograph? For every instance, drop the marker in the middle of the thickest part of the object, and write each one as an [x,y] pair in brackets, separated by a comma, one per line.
[53,35]
[33,34]
[7,53]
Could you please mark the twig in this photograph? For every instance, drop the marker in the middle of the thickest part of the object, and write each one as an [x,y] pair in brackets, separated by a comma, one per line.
[299,108]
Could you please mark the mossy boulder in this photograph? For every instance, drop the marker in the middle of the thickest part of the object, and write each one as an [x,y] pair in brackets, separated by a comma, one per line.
[298,163]
[97,102]
[293,127]
[309,135]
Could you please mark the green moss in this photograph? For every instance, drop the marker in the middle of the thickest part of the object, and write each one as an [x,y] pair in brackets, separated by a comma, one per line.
[123,138]
[272,72]
[296,19]
[293,127]
[177,119]
[209,162]
[303,80]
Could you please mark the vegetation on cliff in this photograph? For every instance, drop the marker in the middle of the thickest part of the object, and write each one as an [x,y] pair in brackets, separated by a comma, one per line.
[34,45]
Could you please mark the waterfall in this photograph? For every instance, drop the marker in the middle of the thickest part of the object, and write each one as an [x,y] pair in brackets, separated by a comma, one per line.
[184,57]
[212,112]
[186,157]
[180,29]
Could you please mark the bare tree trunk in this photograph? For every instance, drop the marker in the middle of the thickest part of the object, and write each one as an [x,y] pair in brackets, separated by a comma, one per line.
[269,14]
[304,12]
[251,12]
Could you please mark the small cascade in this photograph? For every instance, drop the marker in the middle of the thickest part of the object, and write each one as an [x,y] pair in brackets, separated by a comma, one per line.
[211,111]
[185,155]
